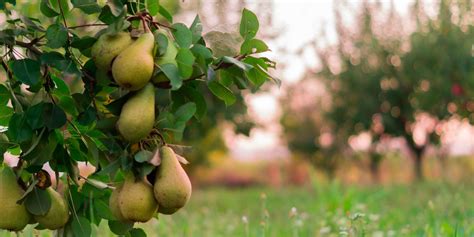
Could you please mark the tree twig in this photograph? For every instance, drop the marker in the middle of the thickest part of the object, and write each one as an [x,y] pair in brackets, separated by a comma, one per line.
[87,25]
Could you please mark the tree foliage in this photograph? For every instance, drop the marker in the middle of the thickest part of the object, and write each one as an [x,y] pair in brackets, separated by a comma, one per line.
[377,84]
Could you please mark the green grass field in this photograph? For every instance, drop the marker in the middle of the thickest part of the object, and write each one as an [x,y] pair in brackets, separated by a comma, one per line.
[424,209]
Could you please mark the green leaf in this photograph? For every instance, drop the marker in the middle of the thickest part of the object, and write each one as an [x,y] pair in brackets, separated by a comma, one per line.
[87,6]
[196,29]
[153,7]
[38,202]
[47,10]
[81,226]
[172,72]
[116,7]
[253,46]
[195,96]
[5,114]
[221,92]
[44,150]
[162,41]
[4,95]
[143,156]
[107,16]
[26,71]
[248,24]
[185,60]
[83,43]
[183,36]
[54,117]
[256,77]
[201,51]
[102,208]
[61,86]
[136,232]
[240,64]
[165,13]
[120,228]
[56,35]
[32,117]
[18,128]
[185,112]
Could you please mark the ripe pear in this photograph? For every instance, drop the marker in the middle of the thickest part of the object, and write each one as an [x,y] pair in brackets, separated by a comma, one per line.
[107,47]
[136,200]
[114,203]
[14,217]
[172,185]
[58,214]
[138,115]
[167,58]
[133,67]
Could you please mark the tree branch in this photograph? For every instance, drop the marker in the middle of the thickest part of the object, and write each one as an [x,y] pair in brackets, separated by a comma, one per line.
[29,46]
[87,25]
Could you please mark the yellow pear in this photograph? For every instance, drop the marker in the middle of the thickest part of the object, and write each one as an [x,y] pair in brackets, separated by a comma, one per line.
[58,214]
[107,47]
[14,216]
[172,185]
[133,67]
[138,115]
[114,203]
[167,58]
[136,200]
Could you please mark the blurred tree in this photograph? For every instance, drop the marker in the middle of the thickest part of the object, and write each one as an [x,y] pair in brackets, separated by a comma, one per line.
[378,87]
[361,76]
[304,128]
[441,59]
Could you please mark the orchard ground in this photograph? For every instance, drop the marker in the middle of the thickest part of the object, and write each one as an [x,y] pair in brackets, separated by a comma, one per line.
[321,208]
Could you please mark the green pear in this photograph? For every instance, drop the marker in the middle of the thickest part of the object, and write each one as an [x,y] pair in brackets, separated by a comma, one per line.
[58,215]
[107,47]
[167,58]
[138,115]
[136,200]
[133,67]
[114,203]
[172,185]
[14,216]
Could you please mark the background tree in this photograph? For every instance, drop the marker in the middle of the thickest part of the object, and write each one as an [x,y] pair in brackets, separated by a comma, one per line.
[377,86]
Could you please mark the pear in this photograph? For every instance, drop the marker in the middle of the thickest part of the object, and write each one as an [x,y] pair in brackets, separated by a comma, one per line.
[114,203]
[172,185]
[58,215]
[167,58]
[136,200]
[133,67]
[107,47]
[138,115]
[14,216]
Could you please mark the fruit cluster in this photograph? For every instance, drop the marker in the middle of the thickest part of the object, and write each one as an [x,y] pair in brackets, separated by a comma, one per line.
[16,216]
[136,200]
[131,63]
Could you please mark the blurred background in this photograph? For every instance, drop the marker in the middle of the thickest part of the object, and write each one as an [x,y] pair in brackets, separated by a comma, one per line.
[370,133]
[372,92]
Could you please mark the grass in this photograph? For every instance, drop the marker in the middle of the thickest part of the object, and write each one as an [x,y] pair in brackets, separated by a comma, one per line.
[423,209]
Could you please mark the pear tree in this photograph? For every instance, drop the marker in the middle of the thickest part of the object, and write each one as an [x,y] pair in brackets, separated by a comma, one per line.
[116,90]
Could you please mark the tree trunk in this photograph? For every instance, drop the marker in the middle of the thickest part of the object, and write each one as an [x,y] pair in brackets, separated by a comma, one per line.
[418,165]
[375,160]
[418,157]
